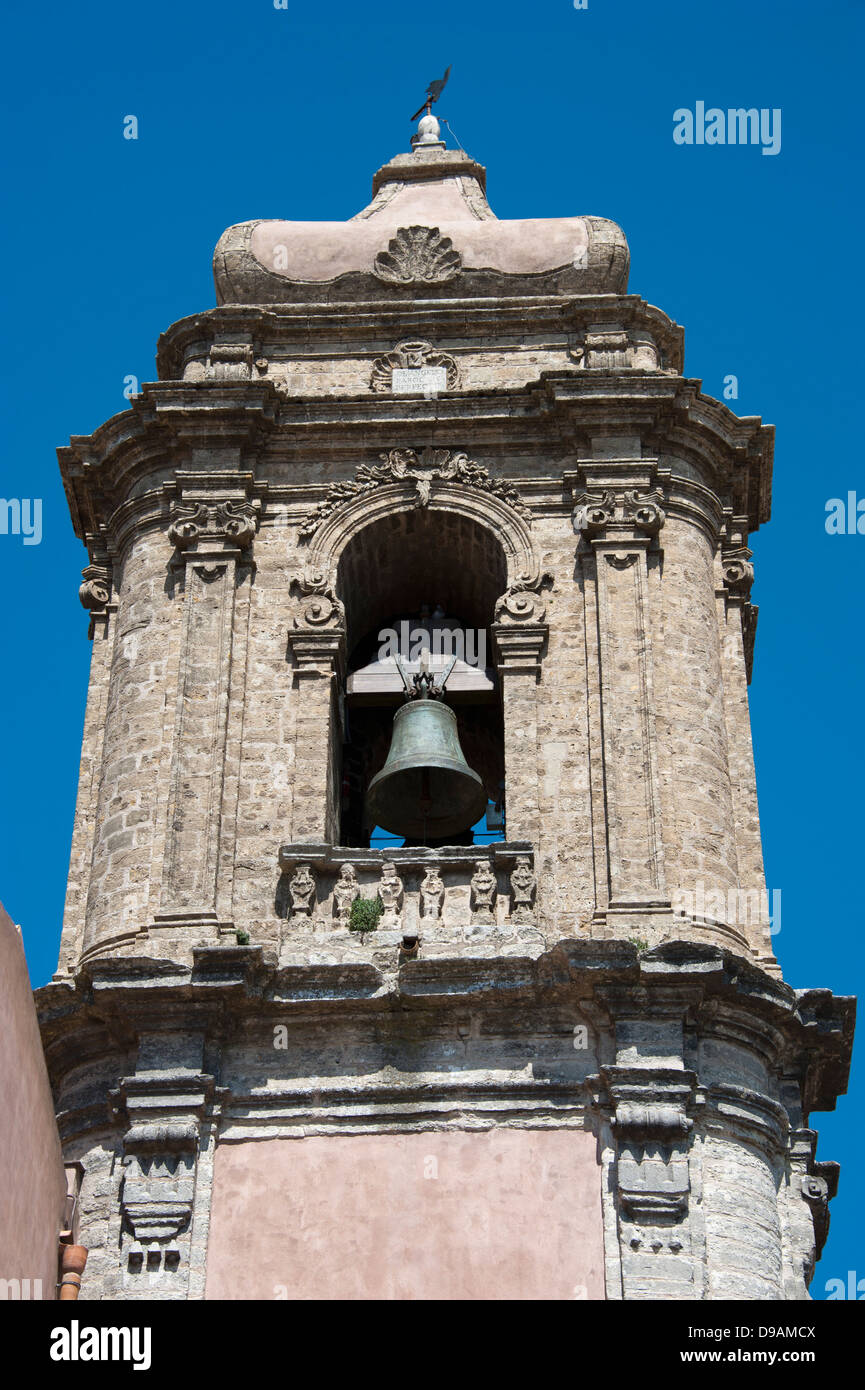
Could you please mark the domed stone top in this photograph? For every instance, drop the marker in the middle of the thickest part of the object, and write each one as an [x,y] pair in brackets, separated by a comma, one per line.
[429,232]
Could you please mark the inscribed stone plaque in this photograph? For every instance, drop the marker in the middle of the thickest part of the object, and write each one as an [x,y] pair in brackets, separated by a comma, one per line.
[406,380]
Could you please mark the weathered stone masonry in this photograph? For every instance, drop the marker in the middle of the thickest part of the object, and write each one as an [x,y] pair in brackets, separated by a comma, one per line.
[425,404]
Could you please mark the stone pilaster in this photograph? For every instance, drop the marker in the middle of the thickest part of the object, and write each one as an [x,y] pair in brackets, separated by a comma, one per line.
[316,642]
[96,595]
[520,636]
[212,527]
[618,531]
[737,618]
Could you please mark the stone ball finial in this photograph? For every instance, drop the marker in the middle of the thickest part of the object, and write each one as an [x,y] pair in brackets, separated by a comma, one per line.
[428,132]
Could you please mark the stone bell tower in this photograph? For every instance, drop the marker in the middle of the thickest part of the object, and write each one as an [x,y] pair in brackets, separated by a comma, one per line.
[555,1060]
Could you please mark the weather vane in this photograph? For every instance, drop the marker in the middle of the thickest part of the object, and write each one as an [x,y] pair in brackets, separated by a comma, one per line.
[433,92]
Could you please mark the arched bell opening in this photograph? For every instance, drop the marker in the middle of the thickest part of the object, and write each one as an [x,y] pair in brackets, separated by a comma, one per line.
[414,582]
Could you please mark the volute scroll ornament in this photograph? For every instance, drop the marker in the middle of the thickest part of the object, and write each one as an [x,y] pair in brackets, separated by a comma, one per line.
[598,513]
[522,602]
[95,591]
[317,600]
[593,512]
[645,511]
[226,521]
[738,571]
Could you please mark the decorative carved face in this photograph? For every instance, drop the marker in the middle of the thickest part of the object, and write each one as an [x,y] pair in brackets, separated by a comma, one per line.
[346,873]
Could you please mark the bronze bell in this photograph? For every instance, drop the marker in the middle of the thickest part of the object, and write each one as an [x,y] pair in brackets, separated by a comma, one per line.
[426,789]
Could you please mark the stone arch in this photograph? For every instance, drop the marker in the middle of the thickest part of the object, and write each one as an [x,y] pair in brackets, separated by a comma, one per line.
[371,505]
[409,492]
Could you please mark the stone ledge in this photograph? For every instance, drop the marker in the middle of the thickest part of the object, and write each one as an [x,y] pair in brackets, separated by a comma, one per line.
[99,1013]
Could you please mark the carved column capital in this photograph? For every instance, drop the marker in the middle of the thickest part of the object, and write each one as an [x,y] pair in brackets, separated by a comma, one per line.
[738,572]
[519,646]
[95,591]
[202,525]
[623,516]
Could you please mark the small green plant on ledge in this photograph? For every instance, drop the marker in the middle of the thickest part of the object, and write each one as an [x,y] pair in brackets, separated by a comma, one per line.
[639,943]
[242,938]
[365,913]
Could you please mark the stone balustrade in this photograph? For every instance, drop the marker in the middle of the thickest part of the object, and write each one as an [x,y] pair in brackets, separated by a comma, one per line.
[467,891]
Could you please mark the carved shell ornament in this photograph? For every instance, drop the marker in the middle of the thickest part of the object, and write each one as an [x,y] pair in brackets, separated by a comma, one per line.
[418,255]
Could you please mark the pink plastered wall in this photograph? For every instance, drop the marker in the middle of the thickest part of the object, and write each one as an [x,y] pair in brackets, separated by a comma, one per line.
[32,1177]
[503,1214]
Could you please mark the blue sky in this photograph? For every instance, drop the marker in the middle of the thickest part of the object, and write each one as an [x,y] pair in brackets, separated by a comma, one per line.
[248,111]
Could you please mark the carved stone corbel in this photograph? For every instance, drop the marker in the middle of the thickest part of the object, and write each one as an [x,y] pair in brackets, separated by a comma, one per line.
[164,1104]
[812,1185]
[95,591]
[652,1133]
[230,361]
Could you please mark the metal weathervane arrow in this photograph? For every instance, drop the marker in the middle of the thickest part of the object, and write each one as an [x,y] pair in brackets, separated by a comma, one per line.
[433,92]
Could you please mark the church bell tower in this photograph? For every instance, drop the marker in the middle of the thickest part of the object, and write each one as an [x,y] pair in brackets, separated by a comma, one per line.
[417,943]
